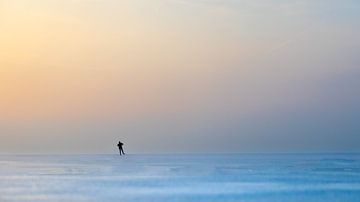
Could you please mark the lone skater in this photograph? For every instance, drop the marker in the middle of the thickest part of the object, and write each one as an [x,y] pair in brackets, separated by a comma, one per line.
[121,150]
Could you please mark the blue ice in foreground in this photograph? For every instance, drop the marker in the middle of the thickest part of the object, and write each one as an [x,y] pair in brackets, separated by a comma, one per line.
[210,178]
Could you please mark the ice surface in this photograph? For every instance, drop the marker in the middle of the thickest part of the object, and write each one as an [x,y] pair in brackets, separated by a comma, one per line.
[226,177]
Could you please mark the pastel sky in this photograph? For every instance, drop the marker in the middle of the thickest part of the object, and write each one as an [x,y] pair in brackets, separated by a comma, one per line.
[76,76]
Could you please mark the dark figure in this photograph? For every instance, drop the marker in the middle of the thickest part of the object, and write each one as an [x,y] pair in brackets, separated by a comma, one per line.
[121,150]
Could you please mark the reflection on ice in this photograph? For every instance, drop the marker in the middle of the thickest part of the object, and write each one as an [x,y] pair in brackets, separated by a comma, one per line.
[228,177]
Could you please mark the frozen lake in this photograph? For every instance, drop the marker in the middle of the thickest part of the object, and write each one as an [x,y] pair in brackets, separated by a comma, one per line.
[225,177]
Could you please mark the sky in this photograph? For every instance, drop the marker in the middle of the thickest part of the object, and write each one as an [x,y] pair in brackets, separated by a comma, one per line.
[173,76]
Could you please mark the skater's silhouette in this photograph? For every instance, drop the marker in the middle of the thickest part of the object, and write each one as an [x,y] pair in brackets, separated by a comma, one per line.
[121,150]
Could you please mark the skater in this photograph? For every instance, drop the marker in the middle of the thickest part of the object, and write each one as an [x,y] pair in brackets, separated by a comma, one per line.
[121,150]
